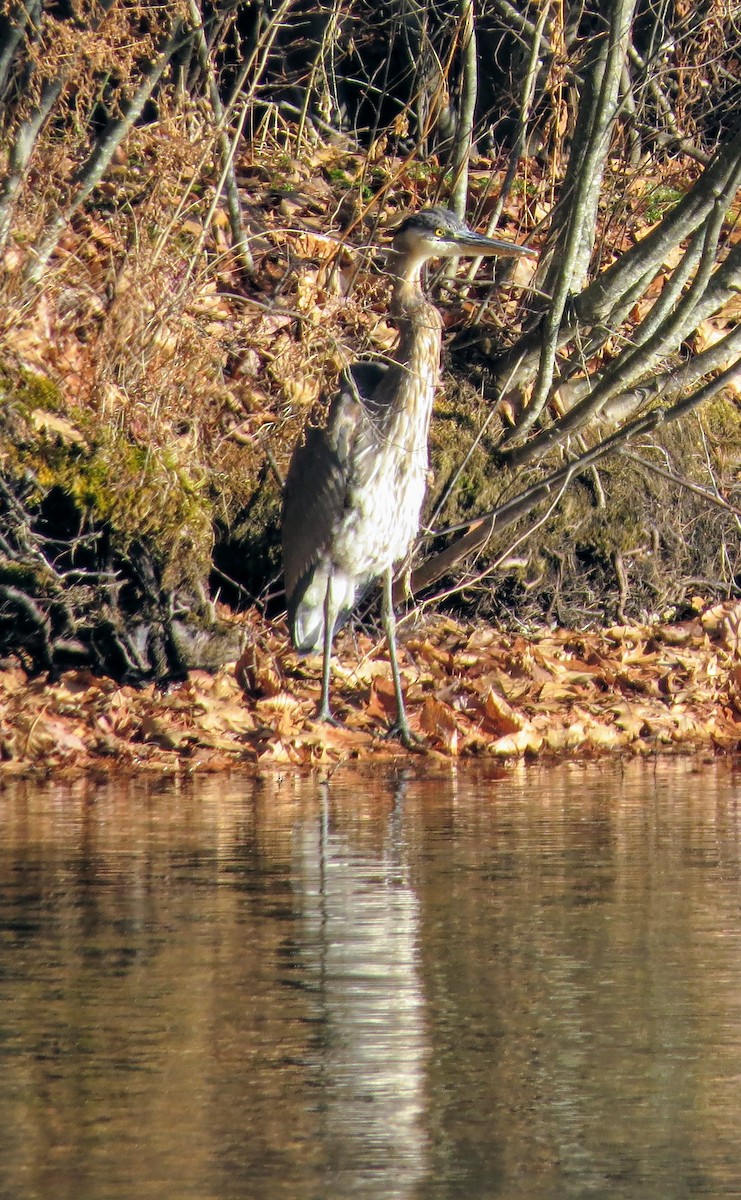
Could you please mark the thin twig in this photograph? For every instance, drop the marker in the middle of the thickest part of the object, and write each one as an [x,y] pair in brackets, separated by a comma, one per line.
[240,242]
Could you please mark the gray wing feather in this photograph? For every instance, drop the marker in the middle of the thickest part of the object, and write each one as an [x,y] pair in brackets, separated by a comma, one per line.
[318,478]
[314,500]
[362,378]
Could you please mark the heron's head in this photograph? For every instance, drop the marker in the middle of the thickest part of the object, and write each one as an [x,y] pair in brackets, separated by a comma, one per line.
[438,233]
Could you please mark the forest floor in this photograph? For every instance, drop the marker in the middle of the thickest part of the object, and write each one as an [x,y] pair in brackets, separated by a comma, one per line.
[471,691]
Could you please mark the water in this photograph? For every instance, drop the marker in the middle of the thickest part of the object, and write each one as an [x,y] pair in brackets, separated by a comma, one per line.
[454,987]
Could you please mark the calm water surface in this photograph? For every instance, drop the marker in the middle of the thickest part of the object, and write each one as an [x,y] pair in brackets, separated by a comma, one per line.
[462,987]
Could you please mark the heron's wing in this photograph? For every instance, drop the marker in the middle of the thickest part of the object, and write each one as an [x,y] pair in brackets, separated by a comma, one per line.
[316,497]
[316,490]
[362,379]
[319,473]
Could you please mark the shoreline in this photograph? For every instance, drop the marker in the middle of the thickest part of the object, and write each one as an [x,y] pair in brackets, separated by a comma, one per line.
[473,694]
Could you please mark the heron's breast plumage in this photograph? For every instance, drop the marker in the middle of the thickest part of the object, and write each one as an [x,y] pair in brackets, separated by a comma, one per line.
[387,484]
[383,515]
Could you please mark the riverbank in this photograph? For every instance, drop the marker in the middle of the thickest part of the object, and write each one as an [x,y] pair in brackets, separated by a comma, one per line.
[472,691]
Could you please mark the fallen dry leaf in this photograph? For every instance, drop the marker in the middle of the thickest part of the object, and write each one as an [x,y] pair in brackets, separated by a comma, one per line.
[500,717]
[525,741]
[731,630]
[439,720]
[257,672]
[56,426]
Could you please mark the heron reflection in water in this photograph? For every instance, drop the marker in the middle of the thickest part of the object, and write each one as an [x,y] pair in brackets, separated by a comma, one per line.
[354,488]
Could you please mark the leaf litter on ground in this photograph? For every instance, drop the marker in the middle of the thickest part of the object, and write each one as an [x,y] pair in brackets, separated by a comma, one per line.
[470,692]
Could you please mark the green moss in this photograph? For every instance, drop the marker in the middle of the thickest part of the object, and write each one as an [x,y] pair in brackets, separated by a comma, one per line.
[144,494]
[338,176]
[140,493]
[459,414]
[721,422]
[24,576]
[659,200]
[522,187]
[28,390]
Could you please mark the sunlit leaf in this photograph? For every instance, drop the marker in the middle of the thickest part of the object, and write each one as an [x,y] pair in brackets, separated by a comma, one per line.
[501,718]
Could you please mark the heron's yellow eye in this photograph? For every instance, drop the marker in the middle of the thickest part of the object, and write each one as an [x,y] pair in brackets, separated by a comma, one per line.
[439,232]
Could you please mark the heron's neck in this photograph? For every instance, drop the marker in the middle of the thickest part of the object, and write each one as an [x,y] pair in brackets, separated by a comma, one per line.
[406,272]
[417,320]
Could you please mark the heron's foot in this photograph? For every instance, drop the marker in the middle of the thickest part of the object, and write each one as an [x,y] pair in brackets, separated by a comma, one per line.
[327,717]
[409,740]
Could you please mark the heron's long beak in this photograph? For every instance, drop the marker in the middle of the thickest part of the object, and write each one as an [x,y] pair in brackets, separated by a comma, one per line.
[477,243]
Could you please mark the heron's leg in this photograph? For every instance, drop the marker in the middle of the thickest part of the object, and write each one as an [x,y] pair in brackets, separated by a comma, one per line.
[324,712]
[406,736]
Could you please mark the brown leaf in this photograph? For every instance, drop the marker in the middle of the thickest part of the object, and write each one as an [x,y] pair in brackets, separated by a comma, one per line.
[382,700]
[301,391]
[257,673]
[556,692]
[162,733]
[525,741]
[278,705]
[605,736]
[432,654]
[500,716]
[439,720]
[221,717]
[56,426]
[317,245]
[731,630]
[712,619]
[63,738]
[630,721]
[13,680]
[281,751]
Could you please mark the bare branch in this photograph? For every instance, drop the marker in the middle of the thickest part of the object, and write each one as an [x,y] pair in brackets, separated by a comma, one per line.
[234,205]
[93,170]
[664,335]
[482,529]
[469,91]
[572,246]
[601,303]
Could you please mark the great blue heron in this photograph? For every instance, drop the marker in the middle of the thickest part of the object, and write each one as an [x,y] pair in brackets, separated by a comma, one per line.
[354,489]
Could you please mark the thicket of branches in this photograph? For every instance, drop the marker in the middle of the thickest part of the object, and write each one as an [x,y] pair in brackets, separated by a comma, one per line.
[155,179]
